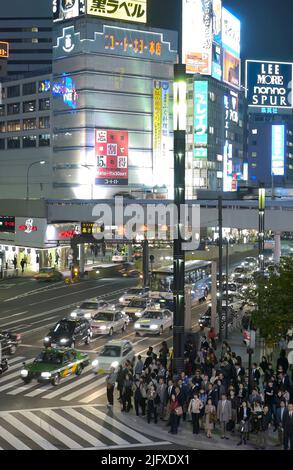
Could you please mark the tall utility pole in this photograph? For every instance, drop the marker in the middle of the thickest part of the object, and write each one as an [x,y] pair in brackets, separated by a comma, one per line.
[179,119]
[220,292]
[261,225]
[227,288]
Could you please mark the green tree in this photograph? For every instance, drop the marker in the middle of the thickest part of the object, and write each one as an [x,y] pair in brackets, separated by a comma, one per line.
[271,301]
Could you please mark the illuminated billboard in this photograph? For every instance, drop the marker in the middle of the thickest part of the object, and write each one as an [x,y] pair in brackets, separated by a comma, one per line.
[231,69]
[278,150]
[197,35]
[200,119]
[217,21]
[133,10]
[66,9]
[268,84]
[231,28]
[4,50]
[217,62]
[67,89]
[111,152]
[161,98]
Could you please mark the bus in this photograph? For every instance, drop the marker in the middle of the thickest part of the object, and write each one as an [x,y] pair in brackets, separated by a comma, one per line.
[197,275]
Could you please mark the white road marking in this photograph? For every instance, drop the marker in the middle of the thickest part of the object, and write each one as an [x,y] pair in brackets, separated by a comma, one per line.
[92,424]
[116,424]
[11,384]
[83,390]
[11,439]
[59,435]
[61,390]
[93,396]
[29,432]
[75,429]
[160,443]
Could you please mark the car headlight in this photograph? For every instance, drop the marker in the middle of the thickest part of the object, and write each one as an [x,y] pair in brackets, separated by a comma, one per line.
[136,325]
[115,364]
[46,339]
[24,373]
[87,315]
[154,327]
[73,314]
[95,363]
[121,299]
[46,375]
[138,314]
[103,327]
[63,340]
[97,272]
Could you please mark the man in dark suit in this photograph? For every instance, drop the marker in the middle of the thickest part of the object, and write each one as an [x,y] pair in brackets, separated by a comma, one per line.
[288,427]
[279,422]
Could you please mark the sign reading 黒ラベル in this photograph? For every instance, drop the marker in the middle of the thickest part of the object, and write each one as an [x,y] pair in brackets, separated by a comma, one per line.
[124,10]
[268,84]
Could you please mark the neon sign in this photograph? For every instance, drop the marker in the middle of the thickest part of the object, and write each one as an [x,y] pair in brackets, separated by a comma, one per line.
[66,89]
[28,227]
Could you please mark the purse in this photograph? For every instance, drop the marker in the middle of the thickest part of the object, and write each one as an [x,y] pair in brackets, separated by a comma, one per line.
[179,411]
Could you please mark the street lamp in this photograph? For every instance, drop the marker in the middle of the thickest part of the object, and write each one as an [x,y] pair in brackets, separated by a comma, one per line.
[88,167]
[42,162]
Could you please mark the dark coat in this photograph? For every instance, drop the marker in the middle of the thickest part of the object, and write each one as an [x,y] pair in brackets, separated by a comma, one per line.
[288,422]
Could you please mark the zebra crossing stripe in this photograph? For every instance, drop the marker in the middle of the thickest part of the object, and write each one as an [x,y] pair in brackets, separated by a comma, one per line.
[28,432]
[74,429]
[11,439]
[70,443]
[116,424]
[22,389]
[11,384]
[93,396]
[61,390]
[83,390]
[97,427]
[15,359]
[39,390]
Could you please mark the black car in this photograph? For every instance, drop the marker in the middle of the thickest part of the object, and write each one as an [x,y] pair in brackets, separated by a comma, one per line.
[69,332]
[9,342]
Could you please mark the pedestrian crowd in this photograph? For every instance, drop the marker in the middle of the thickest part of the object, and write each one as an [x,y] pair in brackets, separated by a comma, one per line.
[213,391]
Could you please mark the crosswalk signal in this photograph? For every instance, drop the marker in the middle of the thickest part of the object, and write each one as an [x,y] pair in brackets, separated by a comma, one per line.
[75,272]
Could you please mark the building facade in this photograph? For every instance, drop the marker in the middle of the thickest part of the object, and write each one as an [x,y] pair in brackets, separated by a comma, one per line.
[27,27]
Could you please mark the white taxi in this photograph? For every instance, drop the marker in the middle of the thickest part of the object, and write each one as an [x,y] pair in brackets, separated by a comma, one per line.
[113,354]
[154,321]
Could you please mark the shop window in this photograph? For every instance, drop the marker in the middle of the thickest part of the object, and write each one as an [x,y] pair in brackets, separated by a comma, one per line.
[29,106]
[13,108]
[44,140]
[44,104]
[13,126]
[2,126]
[29,88]
[2,144]
[29,141]
[13,143]
[44,122]
[29,124]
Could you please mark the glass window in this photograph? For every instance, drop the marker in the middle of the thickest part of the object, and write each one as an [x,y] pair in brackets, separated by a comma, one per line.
[29,141]
[44,122]
[13,91]
[13,108]
[29,106]
[13,126]
[13,143]
[44,104]
[29,124]
[2,126]
[2,144]
[2,110]
[44,140]
[254,154]
[29,88]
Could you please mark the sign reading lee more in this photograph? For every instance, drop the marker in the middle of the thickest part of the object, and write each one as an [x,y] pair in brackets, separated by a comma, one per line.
[268,84]
[133,10]
[111,150]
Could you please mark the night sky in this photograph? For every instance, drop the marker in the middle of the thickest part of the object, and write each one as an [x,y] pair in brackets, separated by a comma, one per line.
[266,25]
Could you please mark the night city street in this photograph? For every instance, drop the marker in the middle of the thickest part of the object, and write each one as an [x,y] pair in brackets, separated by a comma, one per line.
[146,229]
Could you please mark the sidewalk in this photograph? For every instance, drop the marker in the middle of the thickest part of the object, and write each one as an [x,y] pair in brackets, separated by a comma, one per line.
[185,436]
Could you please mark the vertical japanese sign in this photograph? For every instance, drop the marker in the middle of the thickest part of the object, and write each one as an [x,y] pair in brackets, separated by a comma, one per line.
[197,36]
[133,10]
[161,99]
[200,119]
[278,150]
[111,150]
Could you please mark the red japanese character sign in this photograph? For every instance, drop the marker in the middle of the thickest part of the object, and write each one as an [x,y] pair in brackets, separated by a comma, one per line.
[111,151]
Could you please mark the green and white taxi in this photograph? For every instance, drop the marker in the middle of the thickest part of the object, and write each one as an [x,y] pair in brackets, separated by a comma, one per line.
[52,365]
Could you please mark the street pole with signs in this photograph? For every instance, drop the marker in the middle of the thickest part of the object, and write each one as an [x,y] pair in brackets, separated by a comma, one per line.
[261,225]
[179,116]
[220,291]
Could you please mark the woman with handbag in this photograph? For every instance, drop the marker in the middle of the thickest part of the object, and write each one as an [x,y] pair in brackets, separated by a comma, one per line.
[175,413]
[194,409]
[210,417]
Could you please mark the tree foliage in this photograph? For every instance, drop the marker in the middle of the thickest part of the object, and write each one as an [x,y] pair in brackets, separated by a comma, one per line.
[271,301]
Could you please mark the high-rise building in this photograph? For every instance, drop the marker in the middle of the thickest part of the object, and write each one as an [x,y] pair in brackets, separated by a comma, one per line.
[27,27]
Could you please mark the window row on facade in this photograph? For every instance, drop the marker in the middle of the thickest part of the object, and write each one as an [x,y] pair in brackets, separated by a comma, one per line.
[25,107]
[31,88]
[42,140]
[29,124]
